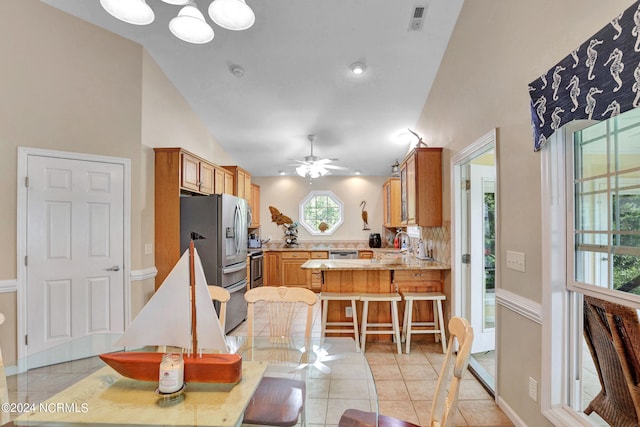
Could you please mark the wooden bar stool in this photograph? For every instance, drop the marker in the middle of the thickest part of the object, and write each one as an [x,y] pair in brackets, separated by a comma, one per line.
[325,297]
[392,299]
[437,326]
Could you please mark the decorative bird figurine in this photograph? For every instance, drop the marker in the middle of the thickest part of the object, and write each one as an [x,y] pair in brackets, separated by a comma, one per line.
[365,216]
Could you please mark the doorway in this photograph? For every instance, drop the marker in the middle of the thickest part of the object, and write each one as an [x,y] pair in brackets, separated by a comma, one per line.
[73,227]
[474,279]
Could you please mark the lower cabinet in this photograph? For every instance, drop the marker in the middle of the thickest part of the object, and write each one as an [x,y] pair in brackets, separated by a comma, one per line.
[272,269]
[292,274]
[316,275]
[419,281]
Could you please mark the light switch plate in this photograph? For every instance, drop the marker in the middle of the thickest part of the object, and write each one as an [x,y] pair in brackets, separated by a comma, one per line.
[515,261]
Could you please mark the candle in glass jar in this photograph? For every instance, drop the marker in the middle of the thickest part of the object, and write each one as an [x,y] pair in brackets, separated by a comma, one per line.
[171,373]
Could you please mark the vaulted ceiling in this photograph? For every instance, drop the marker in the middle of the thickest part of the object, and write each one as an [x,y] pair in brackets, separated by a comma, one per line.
[296,78]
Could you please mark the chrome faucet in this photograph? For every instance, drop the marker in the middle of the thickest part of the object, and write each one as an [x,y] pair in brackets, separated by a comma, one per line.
[400,232]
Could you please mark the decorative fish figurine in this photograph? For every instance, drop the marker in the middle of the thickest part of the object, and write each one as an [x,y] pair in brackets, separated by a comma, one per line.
[278,217]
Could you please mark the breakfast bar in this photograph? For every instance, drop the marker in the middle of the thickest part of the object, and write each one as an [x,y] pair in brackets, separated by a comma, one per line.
[403,273]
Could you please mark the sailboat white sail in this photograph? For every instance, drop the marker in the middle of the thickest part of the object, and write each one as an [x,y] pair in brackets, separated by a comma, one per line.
[166,319]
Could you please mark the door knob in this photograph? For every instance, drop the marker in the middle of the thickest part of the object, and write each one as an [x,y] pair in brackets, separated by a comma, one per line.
[114,268]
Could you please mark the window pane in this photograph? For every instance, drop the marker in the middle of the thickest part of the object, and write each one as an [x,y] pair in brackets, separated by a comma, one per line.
[592,267]
[321,212]
[592,211]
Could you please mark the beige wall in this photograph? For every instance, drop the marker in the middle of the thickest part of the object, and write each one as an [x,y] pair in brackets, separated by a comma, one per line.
[286,192]
[497,48]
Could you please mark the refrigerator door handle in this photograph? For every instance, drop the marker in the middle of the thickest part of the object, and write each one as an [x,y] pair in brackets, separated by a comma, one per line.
[235,267]
[237,222]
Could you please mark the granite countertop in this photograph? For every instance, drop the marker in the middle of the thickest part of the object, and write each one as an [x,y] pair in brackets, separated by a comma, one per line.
[395,263]
[331,248]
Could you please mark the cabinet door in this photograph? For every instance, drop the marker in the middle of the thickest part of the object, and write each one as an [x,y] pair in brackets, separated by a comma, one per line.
[255,205]
[386,204]
[273,272]
[228,183]
[218,181]
[189,176]
[411,190]
[293,275]
[240,176]
[404,214]
[206,178]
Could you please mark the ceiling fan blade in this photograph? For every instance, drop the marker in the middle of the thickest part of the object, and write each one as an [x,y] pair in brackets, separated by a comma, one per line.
[334,167]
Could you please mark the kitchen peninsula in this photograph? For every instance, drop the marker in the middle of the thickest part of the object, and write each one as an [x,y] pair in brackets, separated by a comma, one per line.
[386,274]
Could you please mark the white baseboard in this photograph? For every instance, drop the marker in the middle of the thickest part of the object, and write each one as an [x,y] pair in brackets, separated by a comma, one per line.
[510,413]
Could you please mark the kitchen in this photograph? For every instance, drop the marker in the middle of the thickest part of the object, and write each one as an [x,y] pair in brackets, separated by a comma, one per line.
[127,118]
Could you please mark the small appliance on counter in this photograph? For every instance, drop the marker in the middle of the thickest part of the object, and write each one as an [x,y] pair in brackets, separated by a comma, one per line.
[375,241]
[254,241]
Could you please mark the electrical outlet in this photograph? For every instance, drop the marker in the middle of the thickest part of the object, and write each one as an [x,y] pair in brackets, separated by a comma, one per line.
[348,311]
[515,261]
[533,389]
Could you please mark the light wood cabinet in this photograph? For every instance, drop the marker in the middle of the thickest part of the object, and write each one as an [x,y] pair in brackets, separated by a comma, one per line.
[391,203]
[254,202]
[365,254]
[176,171]
[242,181]
[223,181]
[292,274]
[196,174]
[421,187]
[316,275]
[272,269]
[419,281]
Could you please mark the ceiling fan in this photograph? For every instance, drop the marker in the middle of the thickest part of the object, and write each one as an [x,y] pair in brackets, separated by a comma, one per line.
[313,166]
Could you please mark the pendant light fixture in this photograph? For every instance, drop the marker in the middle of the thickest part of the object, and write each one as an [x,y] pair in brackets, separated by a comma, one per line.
[189,25]
[232,14]
[136,12]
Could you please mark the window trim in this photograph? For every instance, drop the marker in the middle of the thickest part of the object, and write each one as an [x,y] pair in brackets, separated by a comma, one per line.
[308,227]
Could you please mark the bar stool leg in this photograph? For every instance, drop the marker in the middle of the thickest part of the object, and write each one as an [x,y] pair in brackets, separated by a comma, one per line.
[365,313]
[441,323]
[355,324]
[396,327]
[325,308]
[406,325]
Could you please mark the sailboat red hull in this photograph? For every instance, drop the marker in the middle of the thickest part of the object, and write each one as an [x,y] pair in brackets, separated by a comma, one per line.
[145,366]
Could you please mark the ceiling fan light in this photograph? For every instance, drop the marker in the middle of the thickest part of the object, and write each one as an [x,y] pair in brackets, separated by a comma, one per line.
[136,12]
[302,171]
[190,26]
[233,15]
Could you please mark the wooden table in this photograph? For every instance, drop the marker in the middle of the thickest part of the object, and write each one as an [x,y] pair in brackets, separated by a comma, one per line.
[334,373]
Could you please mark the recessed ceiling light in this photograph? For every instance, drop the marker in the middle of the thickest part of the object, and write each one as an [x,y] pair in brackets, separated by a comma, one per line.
[237,70]
[358,68]
[282,172]
[357,172]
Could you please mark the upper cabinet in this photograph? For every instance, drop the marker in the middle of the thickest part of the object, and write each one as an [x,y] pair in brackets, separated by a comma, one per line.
[421,187]
[242,182]
[391,203]
[254,201]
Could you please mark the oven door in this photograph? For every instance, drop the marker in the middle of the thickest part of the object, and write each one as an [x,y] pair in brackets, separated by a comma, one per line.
[256,270]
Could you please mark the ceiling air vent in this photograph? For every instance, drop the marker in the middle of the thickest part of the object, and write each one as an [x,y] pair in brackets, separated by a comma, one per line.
[417,17]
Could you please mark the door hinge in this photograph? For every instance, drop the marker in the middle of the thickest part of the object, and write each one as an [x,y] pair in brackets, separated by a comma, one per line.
[26,261]
[26,340]
[26,181]
[466,258]
[466,185]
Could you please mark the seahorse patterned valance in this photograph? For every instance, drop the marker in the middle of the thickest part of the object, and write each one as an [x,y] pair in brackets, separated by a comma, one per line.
[598,80]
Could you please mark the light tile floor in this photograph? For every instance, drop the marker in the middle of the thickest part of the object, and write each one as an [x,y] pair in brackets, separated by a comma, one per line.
[404,382]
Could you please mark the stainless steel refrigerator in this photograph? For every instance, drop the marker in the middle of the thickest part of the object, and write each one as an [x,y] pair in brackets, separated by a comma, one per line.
[218,225]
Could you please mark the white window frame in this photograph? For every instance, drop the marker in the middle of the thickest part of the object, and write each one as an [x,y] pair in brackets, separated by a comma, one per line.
[562,320]
[309,227]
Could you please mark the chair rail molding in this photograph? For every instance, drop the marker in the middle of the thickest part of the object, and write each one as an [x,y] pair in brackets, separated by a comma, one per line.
[139,275]
[8,285]
[520,305]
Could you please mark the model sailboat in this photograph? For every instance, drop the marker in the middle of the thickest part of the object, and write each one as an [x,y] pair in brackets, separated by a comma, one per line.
[182,316]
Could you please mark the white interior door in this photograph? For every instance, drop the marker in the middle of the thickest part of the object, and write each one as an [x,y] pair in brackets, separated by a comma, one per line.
[75,258]
[482,290]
